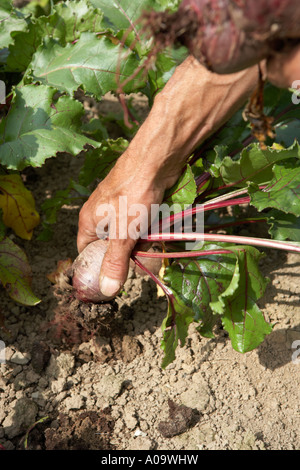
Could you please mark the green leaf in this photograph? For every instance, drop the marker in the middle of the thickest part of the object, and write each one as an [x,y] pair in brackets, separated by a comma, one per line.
[184,191]
[243,319]
[74,193]
[198,286]
[278,103]
[122,14]
[38,8]
[201,283]
[169,4]
[24,46]
[41,420]
[65,24]
[38,126]
[165,66]
[11,20]
[100,161]
[175,327]
[51,206]
[15,273]
[283,226]
[287,133]
[92,63]
[70,19]
[47,232]
[116,118]
[95,129]
[215,157]
[246,325]
[231,134]
[255,164]
[282,193]
[213,286]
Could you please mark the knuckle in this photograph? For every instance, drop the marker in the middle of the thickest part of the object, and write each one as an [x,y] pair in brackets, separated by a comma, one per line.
[115,264]
[115,268]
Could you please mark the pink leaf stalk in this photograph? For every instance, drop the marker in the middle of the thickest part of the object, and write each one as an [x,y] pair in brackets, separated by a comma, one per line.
[208,237]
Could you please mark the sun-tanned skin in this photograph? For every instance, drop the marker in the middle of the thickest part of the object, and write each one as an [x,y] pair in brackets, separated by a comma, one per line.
[192,106]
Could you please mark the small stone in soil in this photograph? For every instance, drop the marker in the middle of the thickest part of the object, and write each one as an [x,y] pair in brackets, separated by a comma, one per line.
[40,355]
[181,418]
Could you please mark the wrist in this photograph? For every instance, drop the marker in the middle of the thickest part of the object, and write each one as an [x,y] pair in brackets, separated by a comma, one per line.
[193,104]
[135,169]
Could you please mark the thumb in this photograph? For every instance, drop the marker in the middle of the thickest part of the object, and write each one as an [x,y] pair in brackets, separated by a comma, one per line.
[115,265]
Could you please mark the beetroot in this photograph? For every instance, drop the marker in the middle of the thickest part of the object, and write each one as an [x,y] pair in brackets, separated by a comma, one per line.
[228,35]
[86,268]
[86,272]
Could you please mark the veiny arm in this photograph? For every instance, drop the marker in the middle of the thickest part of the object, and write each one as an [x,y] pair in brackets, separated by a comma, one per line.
[193,105]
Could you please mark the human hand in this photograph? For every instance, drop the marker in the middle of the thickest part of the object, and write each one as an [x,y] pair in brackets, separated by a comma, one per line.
[192,105]
[121,207]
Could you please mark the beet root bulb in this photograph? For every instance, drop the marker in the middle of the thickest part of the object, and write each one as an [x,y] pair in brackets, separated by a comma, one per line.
[86,269]
[228,35]
[86,272]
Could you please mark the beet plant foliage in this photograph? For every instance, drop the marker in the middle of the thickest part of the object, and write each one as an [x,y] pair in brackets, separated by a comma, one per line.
[53,55]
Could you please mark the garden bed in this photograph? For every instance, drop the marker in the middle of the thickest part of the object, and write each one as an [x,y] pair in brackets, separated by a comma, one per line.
[103,387]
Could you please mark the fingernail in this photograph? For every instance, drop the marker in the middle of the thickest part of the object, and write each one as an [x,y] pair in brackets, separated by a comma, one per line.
[109,287]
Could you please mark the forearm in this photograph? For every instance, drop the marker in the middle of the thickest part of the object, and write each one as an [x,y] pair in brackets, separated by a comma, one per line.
[193,105]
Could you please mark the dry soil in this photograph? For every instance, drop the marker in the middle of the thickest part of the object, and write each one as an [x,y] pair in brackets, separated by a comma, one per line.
[100,385]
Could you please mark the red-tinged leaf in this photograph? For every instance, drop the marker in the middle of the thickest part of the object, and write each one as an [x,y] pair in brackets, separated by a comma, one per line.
[242,318]
[255,164]
[213,286]
[15,273]
[282,193]
[175,327]
[92,63]
[202,282]
[283,226]
[184,192]
[198,288]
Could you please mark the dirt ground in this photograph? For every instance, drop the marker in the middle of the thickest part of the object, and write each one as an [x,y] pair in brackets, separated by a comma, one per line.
[95,381]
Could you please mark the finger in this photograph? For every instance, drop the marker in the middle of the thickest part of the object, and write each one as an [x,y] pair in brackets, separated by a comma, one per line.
[84,237]
[86,229]
[115,265]
[284,69]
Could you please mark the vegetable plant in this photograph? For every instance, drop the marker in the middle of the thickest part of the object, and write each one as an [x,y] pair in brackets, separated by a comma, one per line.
[53,53]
